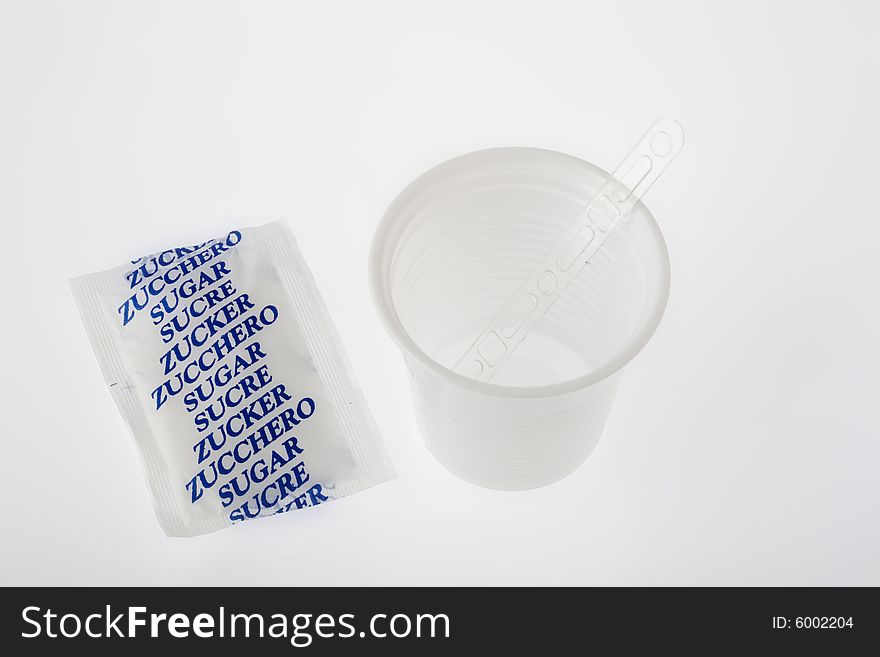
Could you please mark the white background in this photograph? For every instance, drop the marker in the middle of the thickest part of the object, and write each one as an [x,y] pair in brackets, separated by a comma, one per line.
[743,446]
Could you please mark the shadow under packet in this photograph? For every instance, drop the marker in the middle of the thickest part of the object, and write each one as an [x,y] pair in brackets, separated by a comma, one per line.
[225,365]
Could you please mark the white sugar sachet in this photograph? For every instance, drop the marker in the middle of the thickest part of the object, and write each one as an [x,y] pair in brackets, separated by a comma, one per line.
[229,373]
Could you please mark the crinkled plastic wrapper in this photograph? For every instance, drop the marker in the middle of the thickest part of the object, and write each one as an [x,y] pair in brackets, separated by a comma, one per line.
[229,373]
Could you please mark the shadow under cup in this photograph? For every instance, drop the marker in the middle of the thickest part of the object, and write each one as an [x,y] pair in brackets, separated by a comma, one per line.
[451,250]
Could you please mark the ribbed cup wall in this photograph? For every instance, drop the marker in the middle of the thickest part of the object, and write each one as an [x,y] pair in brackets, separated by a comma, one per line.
[508,443]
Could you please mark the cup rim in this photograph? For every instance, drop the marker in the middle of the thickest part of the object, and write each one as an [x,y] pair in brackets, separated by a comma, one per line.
[381,252]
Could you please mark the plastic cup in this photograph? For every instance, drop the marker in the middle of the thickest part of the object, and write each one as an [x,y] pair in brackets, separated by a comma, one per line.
[451,250]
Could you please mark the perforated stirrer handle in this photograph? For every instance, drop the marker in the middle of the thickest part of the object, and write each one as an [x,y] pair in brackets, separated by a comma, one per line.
[616,198]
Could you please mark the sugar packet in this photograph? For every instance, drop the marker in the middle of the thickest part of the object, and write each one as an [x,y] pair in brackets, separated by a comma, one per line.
[224,362]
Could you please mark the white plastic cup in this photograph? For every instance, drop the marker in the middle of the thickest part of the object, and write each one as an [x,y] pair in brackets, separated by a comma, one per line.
[451,250]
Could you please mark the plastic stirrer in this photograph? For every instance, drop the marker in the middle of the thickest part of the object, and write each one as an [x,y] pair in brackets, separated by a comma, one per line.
[615,199]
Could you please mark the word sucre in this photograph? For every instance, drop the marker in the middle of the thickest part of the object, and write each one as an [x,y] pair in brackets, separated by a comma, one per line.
[155,273]
[265,465]
[199,356]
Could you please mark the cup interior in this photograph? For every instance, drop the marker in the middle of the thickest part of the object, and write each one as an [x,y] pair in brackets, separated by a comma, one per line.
[460,240]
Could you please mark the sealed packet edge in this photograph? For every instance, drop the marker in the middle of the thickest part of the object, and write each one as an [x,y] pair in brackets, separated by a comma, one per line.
[322,339]
[86,293]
